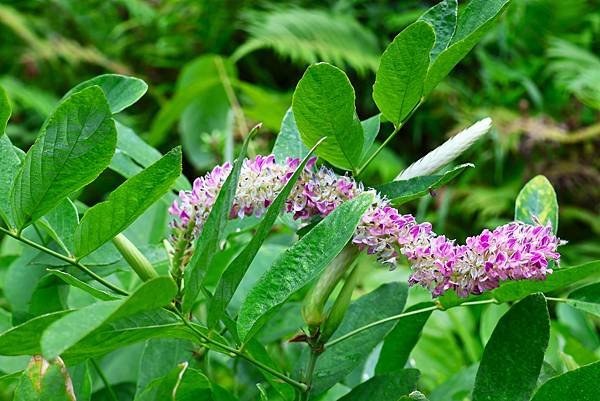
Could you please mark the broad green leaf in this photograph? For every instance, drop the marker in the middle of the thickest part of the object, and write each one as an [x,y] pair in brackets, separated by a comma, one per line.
[74,146]
[512,356]
[195,386]
[161,355]
[60,224]
[121,91]
[82,285]
[400,192]
[401,340]
[577,385]
[586,299]
[259,353]
[164,388]
[401,74]
[537,200]
[323,105]
[24,339]
[288,142]
[44,381]
[213,231]
[371,129]
[5,110]
[301,263]
[474,21]
[8,168]
[560,279]
[342,358]
[442,17]
[67,331]
[105,220]
[235,272]
[385,387]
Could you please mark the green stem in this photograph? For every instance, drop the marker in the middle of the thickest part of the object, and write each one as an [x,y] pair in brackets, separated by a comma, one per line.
[308,375]
[107,385]
[64,258]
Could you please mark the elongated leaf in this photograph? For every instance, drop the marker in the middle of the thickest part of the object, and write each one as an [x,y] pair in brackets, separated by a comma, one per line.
[579,384]
[371,129]
[385,387]
[586,299]
[45,381]
[514,357]
[401,74]
[560,279]
[24,339]
[121,91]
[442,17]
[537,200]
[301,263]
[401,340]
[75,282]
[288,142]
[74,146]
[105,220]
[67,331]
[473,22]
[403,191]
[323,105]
[259,353]
[5,110]
[8,168]
[342,358]
[213,231]
[60,223]
[233,274]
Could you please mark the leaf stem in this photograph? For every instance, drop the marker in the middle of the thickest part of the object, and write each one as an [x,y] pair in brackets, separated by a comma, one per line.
[308,375]
[64,258]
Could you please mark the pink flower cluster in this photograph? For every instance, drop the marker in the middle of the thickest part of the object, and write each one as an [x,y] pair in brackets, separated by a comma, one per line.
[514,251]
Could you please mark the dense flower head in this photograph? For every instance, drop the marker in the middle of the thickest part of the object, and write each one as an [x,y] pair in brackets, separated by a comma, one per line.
[514,251]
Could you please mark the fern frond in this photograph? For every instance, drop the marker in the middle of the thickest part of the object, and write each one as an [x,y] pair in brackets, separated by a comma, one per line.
[307,36]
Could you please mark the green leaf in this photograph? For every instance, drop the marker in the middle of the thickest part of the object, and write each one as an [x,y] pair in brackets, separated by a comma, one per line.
[164,388]
[235,272]
[288,142]
[44,381]
[399,343]
[213,231]
[560,279]
[342,358]
[476,19]
[8,168]
[195,386]
[5,110]
[400,192]
[371,129]
[161,355]
[511,361]
[74,146]
[259,353]
[577,385]
[442,17]
[60,223]
[121,91]
[24,339]
[300,264]
[82,285]
[586,299]
[537,200]
[67,331]
[385,387]
[105,220]
[401,74]
[323,106]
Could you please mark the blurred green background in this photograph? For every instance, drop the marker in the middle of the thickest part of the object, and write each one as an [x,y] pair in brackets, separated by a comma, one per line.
[217,67]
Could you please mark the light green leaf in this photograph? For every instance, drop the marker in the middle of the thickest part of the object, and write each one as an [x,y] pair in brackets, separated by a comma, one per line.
[323,105]
[442,17]
[577,385]
[474,21]
[180,384]
[121,91]
[371,129]
[75,282]
[60,223]
[8,168]
[385,387]
[300,264]
[403,191]
[288,142]
[401,74]
[5,110]
[74,146]
[586,299]
[44,381]
[105,220]
[342,358]
[235,272]
[537,200]
[161,355]
[24,339]
[560,279]
[68,330]
[512,356]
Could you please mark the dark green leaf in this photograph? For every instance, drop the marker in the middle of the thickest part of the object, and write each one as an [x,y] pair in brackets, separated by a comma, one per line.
[121,91]
[164,388]
[342,358]
[74,146]
[323,106]
[371,129]
[404,191]
[586,299]
[577,385]
[385,387]
[24,339]
[537,200]
[401,340]
[259,353]
[401,74]
[442,17]
[160,356]
[213,231]
[288,142]
[195,386]
[82,285]
[512,361]
[105,220]
[301,263]
[44,381]
[8,168]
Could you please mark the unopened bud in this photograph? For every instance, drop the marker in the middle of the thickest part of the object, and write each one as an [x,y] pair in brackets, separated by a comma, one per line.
[135,258]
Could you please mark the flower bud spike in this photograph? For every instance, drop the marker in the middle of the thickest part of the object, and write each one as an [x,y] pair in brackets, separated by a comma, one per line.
[138,262]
